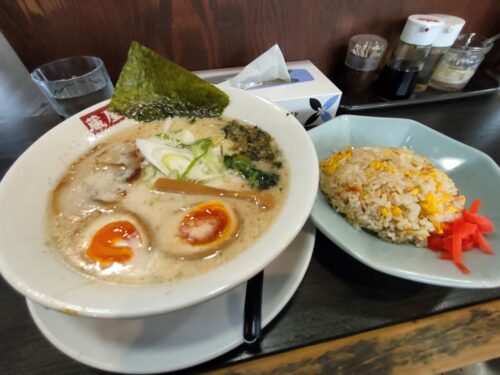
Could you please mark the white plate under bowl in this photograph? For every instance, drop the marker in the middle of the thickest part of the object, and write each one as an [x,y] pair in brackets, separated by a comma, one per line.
[475,174]
[33,269]
[178,339]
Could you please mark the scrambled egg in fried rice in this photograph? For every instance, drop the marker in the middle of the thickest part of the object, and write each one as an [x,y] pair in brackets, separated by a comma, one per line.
[392,192]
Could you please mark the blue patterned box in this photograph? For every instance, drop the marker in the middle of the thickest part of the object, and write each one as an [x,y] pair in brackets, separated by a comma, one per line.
[311,96]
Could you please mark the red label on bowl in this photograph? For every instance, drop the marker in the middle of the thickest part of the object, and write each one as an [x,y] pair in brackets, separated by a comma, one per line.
[100,119]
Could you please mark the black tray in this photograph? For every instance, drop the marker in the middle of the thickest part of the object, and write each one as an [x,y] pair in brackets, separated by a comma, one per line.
[480,84]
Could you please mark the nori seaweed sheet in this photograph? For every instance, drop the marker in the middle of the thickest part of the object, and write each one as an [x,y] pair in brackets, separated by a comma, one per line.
[151,87]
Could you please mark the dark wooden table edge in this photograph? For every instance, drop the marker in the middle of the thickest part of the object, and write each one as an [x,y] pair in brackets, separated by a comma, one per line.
[430,345]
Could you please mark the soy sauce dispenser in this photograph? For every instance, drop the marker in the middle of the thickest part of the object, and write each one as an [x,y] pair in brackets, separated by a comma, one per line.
[398,78]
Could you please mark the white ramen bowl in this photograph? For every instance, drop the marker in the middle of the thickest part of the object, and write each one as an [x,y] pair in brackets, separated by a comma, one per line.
[39,273]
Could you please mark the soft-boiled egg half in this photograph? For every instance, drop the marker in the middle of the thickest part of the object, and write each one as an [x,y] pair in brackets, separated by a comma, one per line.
[116,241]
[205,229]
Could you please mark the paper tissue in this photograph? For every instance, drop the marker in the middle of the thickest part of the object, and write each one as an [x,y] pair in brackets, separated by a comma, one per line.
[268,67]
[299,87]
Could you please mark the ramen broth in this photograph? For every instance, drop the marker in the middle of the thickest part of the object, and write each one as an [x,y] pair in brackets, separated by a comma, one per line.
[105,185]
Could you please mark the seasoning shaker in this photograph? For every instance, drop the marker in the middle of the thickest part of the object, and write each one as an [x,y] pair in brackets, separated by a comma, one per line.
[361,62]
[446,38]
[460,62]
[399,77]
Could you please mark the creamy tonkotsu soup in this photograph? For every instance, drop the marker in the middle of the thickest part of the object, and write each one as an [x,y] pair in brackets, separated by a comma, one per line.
[141,206]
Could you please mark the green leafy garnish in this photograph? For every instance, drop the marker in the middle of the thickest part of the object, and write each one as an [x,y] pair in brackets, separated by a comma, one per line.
[252,142]
[152,87]
[256,178]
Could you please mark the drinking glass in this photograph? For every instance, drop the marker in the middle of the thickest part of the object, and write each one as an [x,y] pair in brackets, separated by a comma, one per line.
[74,83]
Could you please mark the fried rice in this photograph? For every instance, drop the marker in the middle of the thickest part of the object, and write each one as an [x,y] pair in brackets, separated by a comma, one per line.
[392,192]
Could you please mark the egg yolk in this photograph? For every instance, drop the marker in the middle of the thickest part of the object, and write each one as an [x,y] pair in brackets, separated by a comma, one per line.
[206,223]
[113,243]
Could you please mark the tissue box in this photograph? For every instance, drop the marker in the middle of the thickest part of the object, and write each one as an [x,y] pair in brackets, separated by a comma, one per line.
[311,96]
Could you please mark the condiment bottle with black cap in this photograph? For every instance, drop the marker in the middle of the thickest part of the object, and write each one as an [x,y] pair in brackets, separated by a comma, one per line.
[399,77]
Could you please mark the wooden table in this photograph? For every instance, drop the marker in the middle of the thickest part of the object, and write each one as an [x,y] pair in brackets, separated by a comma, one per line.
[344,318]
